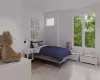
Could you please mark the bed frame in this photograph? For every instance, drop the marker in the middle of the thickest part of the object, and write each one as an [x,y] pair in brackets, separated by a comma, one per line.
[47,58]
[51,59]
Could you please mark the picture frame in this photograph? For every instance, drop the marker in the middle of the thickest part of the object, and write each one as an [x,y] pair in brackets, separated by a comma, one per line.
[33,23]
[35,34]
[37,24]
[35,29]
[38,34]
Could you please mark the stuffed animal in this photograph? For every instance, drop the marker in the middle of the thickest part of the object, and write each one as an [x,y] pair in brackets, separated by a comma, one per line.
[7,53]
[0,47]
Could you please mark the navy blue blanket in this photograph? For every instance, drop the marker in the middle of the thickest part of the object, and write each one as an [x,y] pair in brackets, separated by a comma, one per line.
[55,52]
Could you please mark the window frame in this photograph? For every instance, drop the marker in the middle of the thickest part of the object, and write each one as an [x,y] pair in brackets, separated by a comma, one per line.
[47,22]
[84,48]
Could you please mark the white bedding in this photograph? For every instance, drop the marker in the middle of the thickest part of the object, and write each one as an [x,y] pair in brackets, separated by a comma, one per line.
[37,50]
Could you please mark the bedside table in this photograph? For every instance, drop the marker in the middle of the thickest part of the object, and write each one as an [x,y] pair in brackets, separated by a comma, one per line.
[29,53]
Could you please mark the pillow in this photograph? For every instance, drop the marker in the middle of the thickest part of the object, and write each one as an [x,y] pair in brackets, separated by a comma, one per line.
[40,43]
[35,45]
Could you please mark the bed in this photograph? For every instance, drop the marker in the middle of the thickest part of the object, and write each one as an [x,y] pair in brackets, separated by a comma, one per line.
[50,53]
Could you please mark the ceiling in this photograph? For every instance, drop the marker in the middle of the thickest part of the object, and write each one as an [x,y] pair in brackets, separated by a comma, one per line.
[50,5]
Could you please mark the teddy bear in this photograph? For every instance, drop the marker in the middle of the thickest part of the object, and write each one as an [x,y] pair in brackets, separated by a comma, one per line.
[7,52]
[0,47]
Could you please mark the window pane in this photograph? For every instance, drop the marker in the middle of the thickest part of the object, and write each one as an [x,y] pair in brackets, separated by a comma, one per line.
[50,22]
[78,31]
[90,30]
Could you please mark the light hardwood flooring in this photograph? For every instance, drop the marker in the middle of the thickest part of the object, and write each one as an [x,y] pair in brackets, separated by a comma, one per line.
[68,71]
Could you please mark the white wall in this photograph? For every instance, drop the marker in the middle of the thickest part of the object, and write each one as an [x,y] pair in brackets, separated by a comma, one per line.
[10,19]
[27,14]
[51,32]
[16,18]
[65,27]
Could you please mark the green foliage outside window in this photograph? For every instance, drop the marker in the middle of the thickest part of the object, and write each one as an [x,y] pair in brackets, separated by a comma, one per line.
[89,30]
[78,31]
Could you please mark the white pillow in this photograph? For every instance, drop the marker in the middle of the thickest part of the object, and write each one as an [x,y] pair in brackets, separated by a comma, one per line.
[35,45]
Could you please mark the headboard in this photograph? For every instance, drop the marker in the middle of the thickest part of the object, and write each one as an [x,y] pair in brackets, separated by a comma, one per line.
[39,43]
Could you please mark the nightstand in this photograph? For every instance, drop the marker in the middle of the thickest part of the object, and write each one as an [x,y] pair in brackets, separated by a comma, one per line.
[29,53]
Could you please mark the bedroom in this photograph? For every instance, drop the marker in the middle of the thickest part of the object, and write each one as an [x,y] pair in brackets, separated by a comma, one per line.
[56,28]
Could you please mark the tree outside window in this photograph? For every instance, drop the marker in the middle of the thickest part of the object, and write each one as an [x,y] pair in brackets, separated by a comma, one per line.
[84,30]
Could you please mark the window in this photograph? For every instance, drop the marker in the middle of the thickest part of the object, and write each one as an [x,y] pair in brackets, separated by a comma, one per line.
[78,31]
[84,30]
[50,22]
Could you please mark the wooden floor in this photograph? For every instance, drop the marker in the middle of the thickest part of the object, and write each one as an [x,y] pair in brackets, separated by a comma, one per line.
[37,64]
[69,71]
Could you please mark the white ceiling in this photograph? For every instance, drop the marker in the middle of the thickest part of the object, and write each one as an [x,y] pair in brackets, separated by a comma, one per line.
[50,5]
